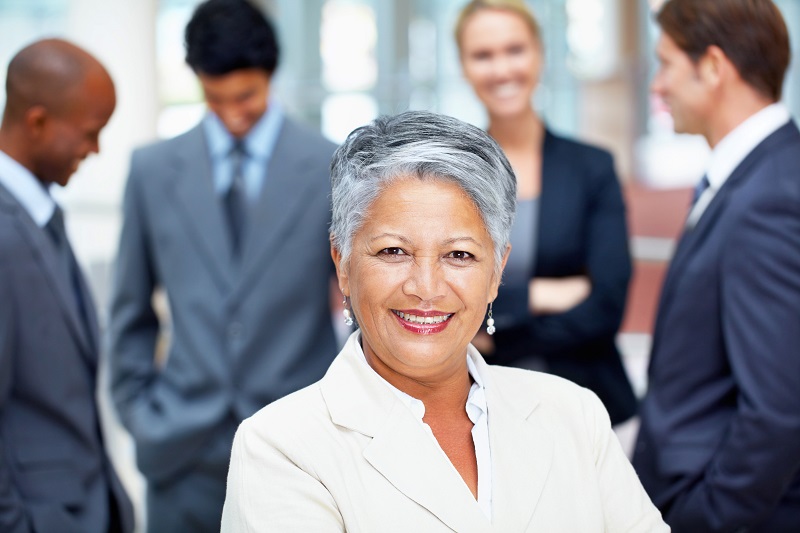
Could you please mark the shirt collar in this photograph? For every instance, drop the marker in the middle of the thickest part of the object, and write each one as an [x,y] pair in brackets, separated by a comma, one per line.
[259,141]
[476,400]
[738,144]
[28,190]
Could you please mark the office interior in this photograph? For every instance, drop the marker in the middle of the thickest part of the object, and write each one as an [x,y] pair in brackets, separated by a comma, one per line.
[344,62]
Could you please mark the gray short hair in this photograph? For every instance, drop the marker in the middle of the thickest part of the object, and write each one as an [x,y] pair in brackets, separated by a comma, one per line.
[428,146]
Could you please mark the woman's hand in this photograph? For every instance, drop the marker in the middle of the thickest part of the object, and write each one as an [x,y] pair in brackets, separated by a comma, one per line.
[557,295]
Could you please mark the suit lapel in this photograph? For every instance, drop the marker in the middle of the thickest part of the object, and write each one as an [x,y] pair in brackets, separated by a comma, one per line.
[199,205]
[279,208]
[91,316]
[522,453]
[694,237]
[401,450]
[44,250]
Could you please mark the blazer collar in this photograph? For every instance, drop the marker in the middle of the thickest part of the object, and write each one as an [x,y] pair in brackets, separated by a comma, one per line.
[44,250]
[278,209]
[403,452]
[198,204]
[693,237]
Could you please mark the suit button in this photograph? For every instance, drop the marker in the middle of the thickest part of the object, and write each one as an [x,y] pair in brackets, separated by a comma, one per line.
[235,330]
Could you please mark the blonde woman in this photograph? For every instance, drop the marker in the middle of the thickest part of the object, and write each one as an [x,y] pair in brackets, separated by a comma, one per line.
[565,285]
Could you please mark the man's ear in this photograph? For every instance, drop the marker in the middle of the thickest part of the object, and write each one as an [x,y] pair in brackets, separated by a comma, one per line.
[713,66]
[341,271]
[36,118]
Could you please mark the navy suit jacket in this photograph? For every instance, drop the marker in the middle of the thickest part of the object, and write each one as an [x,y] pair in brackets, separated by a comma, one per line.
[719,447]
[54,472]
[581,231]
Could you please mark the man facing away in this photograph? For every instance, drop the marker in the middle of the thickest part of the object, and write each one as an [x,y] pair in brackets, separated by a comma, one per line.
[54,471]
[231,220]
[719,447]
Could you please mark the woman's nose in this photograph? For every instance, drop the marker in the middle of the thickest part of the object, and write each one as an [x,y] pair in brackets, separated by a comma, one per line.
[425,279]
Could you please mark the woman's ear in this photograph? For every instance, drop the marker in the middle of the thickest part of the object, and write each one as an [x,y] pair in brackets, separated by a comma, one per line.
[499,275]
[341,273]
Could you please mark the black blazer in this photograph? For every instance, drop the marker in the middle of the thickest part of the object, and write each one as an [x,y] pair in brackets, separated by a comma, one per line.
[581,231]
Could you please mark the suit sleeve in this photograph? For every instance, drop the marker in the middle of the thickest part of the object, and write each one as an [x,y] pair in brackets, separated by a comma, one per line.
[270,491]
[760,288]
[13,515]
[134,325]
[608,265]
[626,505]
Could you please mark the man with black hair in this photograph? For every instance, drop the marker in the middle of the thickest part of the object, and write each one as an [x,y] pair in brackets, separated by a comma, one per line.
[230,220]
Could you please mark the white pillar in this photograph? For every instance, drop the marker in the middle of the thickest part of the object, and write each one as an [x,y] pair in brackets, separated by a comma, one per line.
[121,34]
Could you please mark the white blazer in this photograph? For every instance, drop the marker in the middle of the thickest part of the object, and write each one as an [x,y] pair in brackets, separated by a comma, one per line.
[345,454]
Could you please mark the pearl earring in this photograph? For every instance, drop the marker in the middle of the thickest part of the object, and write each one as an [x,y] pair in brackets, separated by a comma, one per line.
[490,322]
[348,317]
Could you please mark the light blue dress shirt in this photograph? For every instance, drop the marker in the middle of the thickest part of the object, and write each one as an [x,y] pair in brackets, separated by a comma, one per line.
[259,144]
[28,190]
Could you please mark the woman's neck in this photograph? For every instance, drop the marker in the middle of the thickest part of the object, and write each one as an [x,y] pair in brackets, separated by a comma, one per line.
[519,132]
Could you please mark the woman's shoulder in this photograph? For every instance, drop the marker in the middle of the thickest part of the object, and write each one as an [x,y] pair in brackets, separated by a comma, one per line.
[297,414]
[543,389]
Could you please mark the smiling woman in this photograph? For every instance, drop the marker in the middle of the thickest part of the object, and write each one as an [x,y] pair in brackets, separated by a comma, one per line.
[410,429]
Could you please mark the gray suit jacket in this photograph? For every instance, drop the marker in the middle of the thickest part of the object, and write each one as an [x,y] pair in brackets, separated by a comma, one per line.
[54,472]
[243,334]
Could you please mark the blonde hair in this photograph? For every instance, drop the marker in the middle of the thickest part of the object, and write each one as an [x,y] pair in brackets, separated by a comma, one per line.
[517,7]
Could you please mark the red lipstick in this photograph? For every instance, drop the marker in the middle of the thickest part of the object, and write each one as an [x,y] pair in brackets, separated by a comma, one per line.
[410,320]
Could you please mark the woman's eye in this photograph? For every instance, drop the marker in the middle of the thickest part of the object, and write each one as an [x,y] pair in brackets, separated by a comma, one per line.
[460,255]
[392,251]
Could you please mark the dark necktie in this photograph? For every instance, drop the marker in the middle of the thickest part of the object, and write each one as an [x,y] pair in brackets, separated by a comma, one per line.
[699,189]
[57,232]
[236,198]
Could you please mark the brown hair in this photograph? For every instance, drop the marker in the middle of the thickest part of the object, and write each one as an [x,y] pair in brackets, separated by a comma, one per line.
[517,7]
[751,33]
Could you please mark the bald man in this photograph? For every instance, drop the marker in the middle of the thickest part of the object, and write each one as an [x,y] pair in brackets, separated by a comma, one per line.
[54,473]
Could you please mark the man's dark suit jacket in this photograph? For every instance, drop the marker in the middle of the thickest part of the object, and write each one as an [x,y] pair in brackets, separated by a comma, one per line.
[54,472]
[719,447]
[581,231]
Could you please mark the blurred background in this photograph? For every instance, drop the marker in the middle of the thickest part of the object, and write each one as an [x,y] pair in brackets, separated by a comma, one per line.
[345,62]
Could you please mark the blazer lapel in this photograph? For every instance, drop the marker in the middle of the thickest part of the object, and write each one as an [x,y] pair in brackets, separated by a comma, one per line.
[522,453]
[199,205]
[59,280]
[694,237]
[401,450]
[91,317]
[279,208]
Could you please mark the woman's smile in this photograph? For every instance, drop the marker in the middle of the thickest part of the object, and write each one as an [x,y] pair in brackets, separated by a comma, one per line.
[423,322]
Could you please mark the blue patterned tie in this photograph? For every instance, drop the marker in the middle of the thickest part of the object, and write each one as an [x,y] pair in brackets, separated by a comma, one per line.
[57,232]
[699,189]
[236,198]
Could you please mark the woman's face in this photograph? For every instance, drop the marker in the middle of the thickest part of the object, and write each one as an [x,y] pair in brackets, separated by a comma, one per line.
[502,61]
[420,275]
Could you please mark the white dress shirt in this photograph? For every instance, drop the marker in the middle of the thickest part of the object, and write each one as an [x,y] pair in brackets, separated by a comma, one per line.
[478,414]
[733,149]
